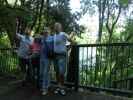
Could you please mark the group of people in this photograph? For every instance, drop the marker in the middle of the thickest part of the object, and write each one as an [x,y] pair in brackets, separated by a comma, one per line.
[37,53]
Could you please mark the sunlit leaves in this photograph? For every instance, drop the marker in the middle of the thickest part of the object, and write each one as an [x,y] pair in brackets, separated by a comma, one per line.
[124,3]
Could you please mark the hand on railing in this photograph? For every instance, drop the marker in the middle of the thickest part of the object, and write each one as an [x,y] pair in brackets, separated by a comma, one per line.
[72,35]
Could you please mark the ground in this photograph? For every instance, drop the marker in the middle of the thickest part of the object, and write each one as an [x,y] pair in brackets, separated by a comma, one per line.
[10,90]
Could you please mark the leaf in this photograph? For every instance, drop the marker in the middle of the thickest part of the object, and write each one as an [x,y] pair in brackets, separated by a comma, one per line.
[124,3]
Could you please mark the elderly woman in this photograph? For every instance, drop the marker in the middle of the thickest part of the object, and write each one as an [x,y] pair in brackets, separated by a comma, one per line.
[23,53]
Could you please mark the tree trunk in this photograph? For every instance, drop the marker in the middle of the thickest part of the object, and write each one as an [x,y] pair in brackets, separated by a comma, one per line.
[36,16]
[101,8]
[47,13]
[40,16]
[110,27]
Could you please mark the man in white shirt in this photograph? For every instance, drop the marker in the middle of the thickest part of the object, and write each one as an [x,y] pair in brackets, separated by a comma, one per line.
[60,50]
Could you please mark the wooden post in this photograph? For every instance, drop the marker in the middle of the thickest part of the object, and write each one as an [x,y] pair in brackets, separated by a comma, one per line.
[73,67]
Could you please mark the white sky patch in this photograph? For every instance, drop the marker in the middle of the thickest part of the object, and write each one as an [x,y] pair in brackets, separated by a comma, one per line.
[75,5]
[11,1]
[90,22]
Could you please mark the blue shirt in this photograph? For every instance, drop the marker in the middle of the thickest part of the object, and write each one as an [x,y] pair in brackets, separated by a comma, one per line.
[46,41]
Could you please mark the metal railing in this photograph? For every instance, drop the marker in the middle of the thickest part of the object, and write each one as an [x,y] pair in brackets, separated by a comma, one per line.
[106,67]
[8,60]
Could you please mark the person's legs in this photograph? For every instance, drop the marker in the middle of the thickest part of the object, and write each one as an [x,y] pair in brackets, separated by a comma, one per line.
[45,76]
[60,72]
[29,70]
[41,73]
[34,66]
[38,71]
[56,68]
[62,69]
[22,66]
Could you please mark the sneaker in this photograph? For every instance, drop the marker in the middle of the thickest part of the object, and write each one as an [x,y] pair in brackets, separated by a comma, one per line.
[44,92]
[62,92]
[57,91]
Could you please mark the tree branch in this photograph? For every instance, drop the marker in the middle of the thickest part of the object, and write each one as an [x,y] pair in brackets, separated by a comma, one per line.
[36,16]
[129,37]
[108,17]
[6,2]
[15,4]
[40,15]
[114,23]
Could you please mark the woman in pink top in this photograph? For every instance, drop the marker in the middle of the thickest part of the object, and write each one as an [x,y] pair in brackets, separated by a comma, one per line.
[35,48]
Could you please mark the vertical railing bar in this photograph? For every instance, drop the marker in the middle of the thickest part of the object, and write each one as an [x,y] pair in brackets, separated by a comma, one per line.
[122,68]
[77,73]
[87,69]
[95,69]
[101,64]
[111,55]
[0,61]
[125,69]
[82,73]
[117,48]
[6,67]
[110,66]
[91,66]
[128,65]
[10,58]
[105,66]
[103,74]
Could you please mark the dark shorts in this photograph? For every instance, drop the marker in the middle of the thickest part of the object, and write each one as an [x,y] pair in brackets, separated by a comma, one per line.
[60,64]
[35,62]
[23,63]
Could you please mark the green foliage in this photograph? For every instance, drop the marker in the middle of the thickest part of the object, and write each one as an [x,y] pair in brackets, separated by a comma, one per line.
[124,3]
[85,39]
[8,62]
[111,64]
[127,34]
[36,14]
[4,41]
[8,20]
[109,12]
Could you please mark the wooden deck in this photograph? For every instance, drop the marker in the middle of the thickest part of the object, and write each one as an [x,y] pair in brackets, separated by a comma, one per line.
[11,91]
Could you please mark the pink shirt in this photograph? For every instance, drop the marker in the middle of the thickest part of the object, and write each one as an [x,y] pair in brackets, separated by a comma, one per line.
[35,47]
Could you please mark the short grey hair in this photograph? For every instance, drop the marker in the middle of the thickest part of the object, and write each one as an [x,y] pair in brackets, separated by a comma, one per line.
[45,29]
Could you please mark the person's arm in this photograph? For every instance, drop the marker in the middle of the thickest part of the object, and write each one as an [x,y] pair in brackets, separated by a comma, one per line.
[69,38]
[19,36]
[30,51]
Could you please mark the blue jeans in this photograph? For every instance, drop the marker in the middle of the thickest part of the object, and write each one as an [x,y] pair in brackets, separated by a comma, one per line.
[44,73]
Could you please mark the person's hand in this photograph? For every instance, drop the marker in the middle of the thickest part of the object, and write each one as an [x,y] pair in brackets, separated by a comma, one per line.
[72,35]
[17,21]
[27,57]
[17,25]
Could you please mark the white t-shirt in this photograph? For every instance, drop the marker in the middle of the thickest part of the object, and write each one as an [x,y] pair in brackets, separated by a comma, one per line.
[25,42]
[60,41]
